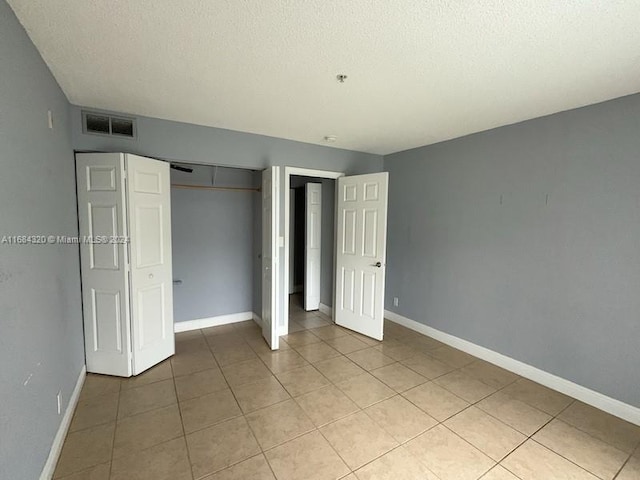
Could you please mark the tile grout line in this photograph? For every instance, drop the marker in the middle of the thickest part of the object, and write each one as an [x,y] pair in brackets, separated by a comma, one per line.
[556,417]
[115,431]
[470,404]
[245,340]
[219,422]
[459,369]
[184,433]
[244,415]
[360,409]
[528,437]
[332,382]
[334,449]
[633,452]
[316,428]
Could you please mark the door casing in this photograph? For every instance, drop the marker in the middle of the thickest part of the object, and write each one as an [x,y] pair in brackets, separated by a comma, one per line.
[288,172]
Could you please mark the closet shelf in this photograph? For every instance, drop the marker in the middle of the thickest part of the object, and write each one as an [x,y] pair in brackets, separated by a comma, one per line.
[207,187]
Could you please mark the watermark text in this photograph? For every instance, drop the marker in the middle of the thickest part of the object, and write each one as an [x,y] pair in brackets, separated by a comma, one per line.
[63,240]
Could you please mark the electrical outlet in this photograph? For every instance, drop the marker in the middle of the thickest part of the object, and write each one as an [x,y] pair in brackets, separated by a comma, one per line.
[59,399]
[396,301]
[50,118]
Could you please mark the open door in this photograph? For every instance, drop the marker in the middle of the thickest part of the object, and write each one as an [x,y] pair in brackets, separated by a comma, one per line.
[361,253]
[313,238]
[270,200]
[149,195]
[105,286]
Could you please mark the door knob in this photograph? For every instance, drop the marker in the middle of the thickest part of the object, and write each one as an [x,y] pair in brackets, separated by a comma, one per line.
[151,275]
[377,264]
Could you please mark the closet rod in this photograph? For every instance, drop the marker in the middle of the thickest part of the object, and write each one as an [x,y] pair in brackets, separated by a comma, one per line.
[206,187]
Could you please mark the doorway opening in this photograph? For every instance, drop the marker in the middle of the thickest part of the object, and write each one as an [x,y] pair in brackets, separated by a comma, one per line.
[215,244]
[309,240]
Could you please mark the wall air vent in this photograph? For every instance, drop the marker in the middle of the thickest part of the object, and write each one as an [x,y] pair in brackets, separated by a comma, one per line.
[112,125]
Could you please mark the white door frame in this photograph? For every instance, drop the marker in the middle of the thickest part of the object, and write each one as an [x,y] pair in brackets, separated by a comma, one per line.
[304,172]
[270,330]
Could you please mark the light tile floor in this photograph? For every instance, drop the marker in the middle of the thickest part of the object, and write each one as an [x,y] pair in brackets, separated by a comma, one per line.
[333,404]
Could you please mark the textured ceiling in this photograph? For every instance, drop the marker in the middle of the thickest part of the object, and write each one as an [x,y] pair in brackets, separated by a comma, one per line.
[420,71]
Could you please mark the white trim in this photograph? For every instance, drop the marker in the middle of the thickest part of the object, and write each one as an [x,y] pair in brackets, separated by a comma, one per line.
[292,207]
[257,319]
[326,309]
[584,394]
[212,321]
[306,172]
[58,440]
[275,242]
[310,172]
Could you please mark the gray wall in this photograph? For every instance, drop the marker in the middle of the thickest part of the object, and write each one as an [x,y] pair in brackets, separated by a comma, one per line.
[327,233]
[41,345]
[212,241]
[192,143]
[551,281]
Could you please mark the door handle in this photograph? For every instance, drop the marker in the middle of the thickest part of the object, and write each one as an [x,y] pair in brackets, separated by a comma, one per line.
[377,264]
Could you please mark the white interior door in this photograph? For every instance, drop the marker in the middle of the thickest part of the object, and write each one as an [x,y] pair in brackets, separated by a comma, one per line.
[149,199]
[270,192]
[105,299]
[292,229]
[361,253]
[312,247]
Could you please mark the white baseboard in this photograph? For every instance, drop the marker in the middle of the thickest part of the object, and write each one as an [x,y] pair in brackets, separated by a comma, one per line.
[257,319]
[611,405]
[326,309]
[58,441]
[212,321]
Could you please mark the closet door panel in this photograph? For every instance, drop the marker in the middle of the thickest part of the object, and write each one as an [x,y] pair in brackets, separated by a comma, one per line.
[102,224]
[149,201]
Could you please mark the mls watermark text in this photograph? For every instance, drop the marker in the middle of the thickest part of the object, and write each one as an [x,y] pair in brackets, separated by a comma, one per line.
[63,240]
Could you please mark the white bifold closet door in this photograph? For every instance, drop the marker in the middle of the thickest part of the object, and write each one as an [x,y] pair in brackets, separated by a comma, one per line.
[149,199]
[124,209]
[313,239]
[270,248]
[361,253]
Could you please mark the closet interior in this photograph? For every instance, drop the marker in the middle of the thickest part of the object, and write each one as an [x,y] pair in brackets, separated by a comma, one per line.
[216,236]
